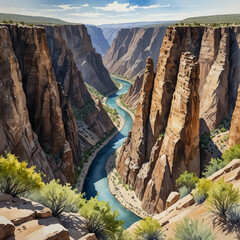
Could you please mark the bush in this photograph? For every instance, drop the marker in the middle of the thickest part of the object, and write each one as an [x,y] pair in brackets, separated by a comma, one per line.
[222,197]
[109,219]
[233,215]
[16,178]
[183,191]
[124,235]
[148,229]
[188,180]
[59,198]
[190,229]
[214,165]
[10,21]
[202,188]
[231,154]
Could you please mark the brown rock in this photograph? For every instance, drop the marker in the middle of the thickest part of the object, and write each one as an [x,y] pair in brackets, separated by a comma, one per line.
[172,198]
[132,96]
[87,60]
[6,228]
[5,197]
[214,95]
[138,135]
[234,136]
[185,202]
[180,147]
[15,129]
[90,236]
[44,213]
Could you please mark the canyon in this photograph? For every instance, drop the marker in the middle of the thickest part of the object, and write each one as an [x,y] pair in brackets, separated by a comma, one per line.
[127,55]
[194,90]
[41,91]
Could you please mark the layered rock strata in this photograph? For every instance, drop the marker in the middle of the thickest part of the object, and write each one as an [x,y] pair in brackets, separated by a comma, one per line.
[130,49]
[87,60]
[153,174]
[132,96]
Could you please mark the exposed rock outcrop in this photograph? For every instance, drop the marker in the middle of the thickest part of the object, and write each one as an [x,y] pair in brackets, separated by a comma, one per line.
[87,60]
[132,159]
[16,132]
[132,96]
[65,68]
[130,49]
[234,133]
[99,42]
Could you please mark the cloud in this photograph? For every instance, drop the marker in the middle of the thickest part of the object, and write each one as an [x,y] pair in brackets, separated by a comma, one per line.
[126,7]
[63,7]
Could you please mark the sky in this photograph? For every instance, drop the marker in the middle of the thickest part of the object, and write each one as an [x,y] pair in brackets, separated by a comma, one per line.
[119,11]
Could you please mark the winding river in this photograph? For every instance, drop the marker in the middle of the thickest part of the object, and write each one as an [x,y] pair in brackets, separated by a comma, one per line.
[96,179]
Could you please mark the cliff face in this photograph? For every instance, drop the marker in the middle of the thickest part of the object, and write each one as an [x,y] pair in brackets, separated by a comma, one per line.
[65,68]
[16,132]
[87,60]
[176,107]
[99,42]
[50,117]
[132,96]
[130,49]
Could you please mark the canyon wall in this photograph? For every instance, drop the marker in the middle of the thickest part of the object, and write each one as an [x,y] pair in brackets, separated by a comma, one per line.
[99,41]
[87,60]
[93,122]
[130,49]
[186,96]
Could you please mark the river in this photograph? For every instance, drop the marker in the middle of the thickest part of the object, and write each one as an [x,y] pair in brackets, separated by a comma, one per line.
[96,179]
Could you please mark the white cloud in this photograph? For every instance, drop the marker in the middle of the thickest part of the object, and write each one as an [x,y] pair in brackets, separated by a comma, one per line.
[126,7]
[63,7]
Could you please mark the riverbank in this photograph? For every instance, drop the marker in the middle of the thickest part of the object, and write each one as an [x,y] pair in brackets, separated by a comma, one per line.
[125,109]
[122,78]
[86,166]
[122,192]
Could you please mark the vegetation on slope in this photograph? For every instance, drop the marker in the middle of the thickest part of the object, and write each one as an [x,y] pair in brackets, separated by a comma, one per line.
[15,18]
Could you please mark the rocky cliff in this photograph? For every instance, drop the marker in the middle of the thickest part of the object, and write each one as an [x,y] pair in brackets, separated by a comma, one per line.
[87,60]
[132,96]
[130,49]
[99,42]
[170,143]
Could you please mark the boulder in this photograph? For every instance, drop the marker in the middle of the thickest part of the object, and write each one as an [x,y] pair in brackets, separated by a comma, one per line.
[172,198]
[90,236]
[6,228]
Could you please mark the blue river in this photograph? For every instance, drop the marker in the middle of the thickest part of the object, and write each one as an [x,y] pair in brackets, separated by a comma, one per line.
[96,179]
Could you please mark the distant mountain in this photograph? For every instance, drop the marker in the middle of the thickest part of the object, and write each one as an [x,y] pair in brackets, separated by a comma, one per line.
[30,19]
[228,18]
[99,42]
[110,30]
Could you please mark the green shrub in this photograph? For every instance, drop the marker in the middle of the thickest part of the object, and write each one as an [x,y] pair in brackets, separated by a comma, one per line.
[184,191]
[201,191]
[111,225]
[148,229]
[190,229]
[188,180]
[231,154]
[233,215]
[59,198]
[124,235]
[222,197]
[23,23]
[214,165]
[16,178]
[10,21]
[4,21]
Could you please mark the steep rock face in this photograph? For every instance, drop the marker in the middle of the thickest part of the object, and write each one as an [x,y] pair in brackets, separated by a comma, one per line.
[132,96]
[130,49]
[87,60]
[65,68]
[43,101]
[16,132]
[153,174]
[180,147]
[40,86]
[132,159]
[234,133]
[99,42]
